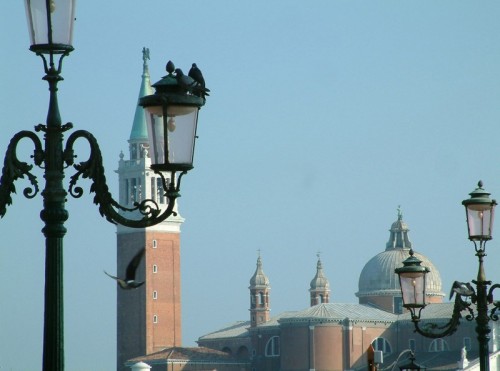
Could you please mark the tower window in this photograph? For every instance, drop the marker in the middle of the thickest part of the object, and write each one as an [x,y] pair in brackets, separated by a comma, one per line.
[159,189]
[154,244]
[155,268]
[153,188]
[155,319]
[155,295]
[398,305]
[133,190]
[133,151]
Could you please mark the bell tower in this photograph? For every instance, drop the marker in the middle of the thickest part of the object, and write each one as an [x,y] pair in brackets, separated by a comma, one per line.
[259,296]
[149,317]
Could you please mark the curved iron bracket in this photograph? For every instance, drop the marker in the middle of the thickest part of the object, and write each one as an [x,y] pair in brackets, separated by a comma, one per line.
[435,331]
[109,208]
[493,314]
[14,169]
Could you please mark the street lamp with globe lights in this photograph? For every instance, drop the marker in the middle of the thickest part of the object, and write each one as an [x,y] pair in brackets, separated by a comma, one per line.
[480,210]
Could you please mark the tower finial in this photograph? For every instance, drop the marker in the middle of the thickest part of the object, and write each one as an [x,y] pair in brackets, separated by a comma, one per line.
[145,57]
[400,213]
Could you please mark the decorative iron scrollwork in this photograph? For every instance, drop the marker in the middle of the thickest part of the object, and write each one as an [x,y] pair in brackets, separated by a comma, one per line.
[435,331]
[109,208]
[91,169]
[14,169]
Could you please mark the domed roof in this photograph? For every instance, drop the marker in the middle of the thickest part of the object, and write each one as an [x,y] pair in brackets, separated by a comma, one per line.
[378,278]
[319,282]
[259,278]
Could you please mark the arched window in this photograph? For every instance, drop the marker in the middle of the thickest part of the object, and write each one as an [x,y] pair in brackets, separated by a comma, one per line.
[438,345]
[261,298]
[321,299]
[273,347]
[382,345]
[155,295]
[155,268]
[242,352]
[227,350]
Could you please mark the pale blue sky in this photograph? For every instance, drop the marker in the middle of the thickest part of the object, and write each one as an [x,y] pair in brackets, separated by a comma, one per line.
[324,116]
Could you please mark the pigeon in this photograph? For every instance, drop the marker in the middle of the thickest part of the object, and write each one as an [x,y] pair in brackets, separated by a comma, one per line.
[196,75]
[462,289]
[129,281]
[189,84]
[185,82]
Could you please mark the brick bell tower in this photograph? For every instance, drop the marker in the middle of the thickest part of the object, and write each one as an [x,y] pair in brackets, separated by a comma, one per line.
[149,317]
[259,296]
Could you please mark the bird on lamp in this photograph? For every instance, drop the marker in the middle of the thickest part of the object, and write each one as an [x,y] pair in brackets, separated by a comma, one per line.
[191,85]
[129,282]
[462,289]
[196,75]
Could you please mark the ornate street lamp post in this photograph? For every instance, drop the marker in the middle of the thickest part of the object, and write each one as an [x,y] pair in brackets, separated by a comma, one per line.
[51,28]
[480,209]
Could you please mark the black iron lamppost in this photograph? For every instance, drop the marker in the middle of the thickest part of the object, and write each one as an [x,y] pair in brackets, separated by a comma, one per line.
[480,210]
[173,135]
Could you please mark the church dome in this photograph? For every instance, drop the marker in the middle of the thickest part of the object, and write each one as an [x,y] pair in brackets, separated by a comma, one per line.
[378,278]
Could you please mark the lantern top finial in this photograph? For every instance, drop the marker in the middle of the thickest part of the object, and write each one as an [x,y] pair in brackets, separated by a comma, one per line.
[479,196]
[170,67]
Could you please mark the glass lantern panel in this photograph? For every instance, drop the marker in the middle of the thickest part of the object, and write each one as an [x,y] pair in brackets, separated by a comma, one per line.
[413,288]
[156,134]
[62,15]
[181,137]
[480,221]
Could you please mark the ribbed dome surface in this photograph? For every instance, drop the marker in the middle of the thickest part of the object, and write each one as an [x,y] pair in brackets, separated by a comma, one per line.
[319,282]
[378,277]
[259,278]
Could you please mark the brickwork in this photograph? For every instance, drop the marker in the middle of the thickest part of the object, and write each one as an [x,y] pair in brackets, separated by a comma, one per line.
[149,318]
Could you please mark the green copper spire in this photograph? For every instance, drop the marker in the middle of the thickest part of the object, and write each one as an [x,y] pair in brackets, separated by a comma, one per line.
[139,130]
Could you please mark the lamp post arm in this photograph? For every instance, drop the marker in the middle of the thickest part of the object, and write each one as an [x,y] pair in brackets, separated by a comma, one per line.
[109,208]
[435,331]
[493,314]
[14,169]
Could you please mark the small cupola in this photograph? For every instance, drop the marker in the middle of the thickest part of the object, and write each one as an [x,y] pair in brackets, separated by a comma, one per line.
[320,286]
[398,238]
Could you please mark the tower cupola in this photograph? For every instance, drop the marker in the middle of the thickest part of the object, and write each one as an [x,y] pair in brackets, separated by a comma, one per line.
[398,238]
[320,286]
